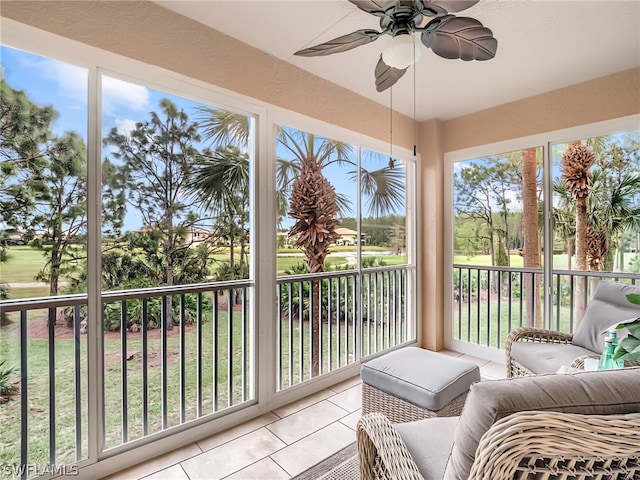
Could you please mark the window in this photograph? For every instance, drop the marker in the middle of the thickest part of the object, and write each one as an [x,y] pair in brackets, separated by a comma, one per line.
[43,234]
[586,185]
[497,245]
[342,237]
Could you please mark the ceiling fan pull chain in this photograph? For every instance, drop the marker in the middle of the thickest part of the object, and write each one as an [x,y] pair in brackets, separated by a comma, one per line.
[414,107]
[392,162]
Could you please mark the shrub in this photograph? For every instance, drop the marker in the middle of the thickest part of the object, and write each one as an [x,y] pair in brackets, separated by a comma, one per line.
[7,383]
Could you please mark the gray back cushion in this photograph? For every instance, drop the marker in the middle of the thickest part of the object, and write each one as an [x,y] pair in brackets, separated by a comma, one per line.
[596,393]
[608,306]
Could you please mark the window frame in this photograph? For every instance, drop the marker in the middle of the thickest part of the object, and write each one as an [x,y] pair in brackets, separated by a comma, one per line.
[544,140]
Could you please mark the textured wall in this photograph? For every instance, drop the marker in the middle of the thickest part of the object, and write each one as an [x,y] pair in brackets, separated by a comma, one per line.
[431,228]
[605,98]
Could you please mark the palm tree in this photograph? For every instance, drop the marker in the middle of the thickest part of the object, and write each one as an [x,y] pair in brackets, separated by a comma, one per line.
[576,164]
[564,218]
[304,191]
[220,180]
[612,210]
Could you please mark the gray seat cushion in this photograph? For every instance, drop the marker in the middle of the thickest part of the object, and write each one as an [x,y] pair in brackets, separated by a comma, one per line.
[546,357]
[591,393]
[608,306]
[427,379]
[429,442]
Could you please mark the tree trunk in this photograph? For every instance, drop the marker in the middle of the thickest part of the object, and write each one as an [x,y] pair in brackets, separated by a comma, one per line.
[315,320]
[531,251]
[581,257]
[54,278]
[316,265]
[168,298]
[313,205]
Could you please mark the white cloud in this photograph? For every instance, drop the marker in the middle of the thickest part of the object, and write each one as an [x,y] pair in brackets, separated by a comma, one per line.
[514,200]
[71,80]
[124,126]
[119,94]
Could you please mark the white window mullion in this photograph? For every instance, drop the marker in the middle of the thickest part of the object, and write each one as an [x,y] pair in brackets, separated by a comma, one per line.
[94,261]
[264,261]
[547,179]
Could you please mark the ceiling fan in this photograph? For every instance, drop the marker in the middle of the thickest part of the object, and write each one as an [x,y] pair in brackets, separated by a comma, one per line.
[447,35]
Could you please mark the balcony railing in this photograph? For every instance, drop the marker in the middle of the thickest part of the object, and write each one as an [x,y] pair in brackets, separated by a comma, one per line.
[489,302]
[159,378]
[359,315]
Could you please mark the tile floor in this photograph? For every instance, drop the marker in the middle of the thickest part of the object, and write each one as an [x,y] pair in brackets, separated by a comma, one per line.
[277,445]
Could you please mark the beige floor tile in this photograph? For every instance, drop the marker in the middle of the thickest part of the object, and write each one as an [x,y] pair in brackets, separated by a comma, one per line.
[470,358]
[310,450]
[352,419]
[350,400]
[303,403]
[494,370]
[156,464]
[172,473]
[304,422]
[265,469]
[346,384]
[236,432]
[232,456]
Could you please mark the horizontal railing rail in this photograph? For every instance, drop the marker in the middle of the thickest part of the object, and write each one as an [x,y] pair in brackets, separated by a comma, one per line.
[489,302]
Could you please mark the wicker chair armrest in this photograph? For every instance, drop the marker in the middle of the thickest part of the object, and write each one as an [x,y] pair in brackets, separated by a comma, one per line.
[550,443]
[381,451]
[531,334]
[540,335]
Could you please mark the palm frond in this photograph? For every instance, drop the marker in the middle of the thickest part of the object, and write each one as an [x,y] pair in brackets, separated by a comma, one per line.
[223,127]
[384,188]
[218,177]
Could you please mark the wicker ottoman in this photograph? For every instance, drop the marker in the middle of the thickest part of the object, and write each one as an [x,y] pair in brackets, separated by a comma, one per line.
[412,383]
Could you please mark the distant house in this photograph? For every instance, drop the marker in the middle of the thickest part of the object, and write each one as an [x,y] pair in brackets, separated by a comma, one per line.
[193,238]
[196,236]
[346,236]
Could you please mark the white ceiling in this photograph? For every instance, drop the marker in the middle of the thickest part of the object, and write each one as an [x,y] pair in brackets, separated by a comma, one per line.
[542,45]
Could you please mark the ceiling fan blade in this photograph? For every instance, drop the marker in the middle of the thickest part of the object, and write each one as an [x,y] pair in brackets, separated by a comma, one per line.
[387,76]
[452,5]
[340,44]
[374,7]
[459,37]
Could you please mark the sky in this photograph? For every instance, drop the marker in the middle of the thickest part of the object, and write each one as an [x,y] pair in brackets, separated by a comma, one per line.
[64,86]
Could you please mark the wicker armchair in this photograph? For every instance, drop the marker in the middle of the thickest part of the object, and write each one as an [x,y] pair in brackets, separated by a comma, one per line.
[576,426]
[524,445]
[531,351]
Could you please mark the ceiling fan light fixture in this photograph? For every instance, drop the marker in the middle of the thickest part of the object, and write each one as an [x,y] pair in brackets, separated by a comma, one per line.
[401,52]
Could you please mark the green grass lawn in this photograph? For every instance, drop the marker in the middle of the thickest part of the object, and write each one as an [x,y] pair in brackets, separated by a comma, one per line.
[28,292]
[559,261]
[25,262]
[22,266]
